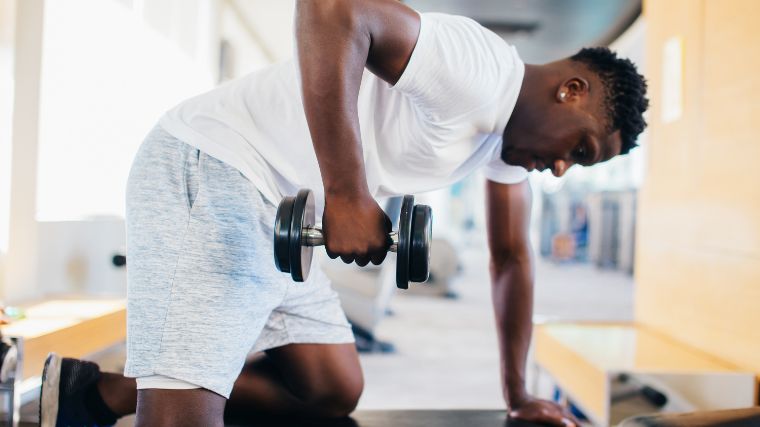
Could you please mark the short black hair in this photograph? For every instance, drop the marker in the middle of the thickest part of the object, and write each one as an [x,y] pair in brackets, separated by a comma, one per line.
[624,92]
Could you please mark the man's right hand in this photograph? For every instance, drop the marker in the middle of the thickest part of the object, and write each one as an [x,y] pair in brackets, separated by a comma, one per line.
[356,229]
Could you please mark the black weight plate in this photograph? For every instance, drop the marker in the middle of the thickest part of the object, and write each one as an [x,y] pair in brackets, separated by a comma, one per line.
[303,216]
[282,234]
[404,234]
[421,238]
[309,220]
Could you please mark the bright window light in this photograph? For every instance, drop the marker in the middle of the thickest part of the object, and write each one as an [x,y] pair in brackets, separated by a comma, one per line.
[6,120]
[107,77]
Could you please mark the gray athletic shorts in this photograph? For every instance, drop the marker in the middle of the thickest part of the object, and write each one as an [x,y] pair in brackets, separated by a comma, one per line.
[203,290]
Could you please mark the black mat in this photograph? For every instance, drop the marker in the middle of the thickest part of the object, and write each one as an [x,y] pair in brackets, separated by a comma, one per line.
[415,418]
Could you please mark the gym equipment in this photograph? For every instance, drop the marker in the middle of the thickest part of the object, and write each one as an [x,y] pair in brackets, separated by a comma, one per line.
[296,234]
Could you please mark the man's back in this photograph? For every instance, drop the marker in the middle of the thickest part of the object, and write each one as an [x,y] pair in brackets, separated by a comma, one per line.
[433,128]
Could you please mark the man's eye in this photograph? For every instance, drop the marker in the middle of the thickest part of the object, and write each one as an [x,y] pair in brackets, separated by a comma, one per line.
[580,153]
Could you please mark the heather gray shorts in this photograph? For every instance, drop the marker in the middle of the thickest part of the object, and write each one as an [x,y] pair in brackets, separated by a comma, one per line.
[203,290]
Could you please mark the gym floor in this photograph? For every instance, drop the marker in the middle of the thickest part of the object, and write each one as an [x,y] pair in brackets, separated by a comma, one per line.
[446,355]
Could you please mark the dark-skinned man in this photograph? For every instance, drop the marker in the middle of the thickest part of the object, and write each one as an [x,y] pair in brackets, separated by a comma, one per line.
[381,101]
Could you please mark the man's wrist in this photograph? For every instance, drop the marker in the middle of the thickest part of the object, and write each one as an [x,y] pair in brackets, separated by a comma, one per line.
[517,395]
[346,190]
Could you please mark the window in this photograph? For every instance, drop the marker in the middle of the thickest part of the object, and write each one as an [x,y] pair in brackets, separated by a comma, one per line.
[107,77]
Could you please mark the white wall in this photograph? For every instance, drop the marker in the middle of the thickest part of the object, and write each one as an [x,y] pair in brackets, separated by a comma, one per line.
[19,279]
[7,14]
[7,21]
[259,32]
[76,257]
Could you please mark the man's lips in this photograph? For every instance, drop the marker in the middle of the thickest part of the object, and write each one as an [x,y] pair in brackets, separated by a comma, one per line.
[536,164]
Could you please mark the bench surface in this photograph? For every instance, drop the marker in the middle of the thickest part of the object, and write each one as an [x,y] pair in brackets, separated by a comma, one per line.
[629,347]
[583,357]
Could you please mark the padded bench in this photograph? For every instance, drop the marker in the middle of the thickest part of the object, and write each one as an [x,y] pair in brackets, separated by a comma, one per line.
[402,418]
[588,360]
[494,418]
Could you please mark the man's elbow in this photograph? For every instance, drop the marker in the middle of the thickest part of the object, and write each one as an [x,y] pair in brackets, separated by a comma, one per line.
[505,260]
[330,13]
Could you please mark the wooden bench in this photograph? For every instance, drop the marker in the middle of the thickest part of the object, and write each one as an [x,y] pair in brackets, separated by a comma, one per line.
[70,327]
[584,360]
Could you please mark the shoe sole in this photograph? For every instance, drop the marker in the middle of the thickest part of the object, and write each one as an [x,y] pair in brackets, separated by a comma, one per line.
[51,385]
[9,362]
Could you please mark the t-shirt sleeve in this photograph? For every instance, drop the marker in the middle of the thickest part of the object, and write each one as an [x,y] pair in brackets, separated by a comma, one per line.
[498,171]
[457,67]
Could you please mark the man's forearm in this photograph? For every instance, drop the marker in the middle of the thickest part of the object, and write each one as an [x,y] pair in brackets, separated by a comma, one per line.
[332,52]
[512,293]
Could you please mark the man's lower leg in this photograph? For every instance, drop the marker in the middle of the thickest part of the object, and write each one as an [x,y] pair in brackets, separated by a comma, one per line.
[259,389]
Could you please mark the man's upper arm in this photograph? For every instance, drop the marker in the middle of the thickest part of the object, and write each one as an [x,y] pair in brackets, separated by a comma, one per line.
[508,220]
[394,29]
[390,26]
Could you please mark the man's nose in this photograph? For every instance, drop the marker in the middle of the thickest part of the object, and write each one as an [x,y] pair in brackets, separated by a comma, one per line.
[560,167]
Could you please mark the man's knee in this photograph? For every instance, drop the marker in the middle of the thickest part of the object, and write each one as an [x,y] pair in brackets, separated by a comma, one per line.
[338,398]
[326,379]
[179,408]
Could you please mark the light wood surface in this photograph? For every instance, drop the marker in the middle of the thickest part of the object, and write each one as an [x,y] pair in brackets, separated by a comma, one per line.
[72,328]
[583,357]
[631,348]
[576,374]
[698,242]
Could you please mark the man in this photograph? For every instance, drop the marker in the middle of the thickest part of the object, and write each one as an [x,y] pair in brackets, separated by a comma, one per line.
[381,101]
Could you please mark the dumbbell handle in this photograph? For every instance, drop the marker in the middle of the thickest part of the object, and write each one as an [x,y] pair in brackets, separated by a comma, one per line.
[313,236]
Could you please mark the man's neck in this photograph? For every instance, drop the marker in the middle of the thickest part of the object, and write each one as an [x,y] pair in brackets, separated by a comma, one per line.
[533,75]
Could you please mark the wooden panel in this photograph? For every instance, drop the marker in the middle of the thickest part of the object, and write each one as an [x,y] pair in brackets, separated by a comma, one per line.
[698,251]
[587,383]
[732,149]
[72,328]
[631,348]
[582,358]
[670,152]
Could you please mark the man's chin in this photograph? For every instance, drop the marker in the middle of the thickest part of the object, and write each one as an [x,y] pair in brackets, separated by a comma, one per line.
[508,156]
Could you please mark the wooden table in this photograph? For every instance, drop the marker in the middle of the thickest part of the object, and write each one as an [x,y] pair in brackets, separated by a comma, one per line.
[70,327]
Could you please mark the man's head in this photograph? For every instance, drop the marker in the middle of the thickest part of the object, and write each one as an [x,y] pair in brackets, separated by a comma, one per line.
[582,110]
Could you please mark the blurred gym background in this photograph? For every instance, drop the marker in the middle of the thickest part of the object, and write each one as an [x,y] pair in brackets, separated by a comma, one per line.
[647,274]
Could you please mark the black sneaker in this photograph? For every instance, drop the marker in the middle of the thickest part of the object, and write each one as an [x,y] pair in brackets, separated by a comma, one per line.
[8,360]
[63,395]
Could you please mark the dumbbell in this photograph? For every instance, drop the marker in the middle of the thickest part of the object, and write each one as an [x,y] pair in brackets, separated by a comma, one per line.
[296,233]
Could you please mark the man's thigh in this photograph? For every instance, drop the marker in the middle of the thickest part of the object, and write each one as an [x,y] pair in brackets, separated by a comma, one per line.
[201,280]
[179,408]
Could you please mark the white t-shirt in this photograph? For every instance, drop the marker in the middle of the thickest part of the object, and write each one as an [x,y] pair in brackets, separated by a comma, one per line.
[441,121]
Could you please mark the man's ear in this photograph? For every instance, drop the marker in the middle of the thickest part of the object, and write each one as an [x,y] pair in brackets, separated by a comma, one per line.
[572,89]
